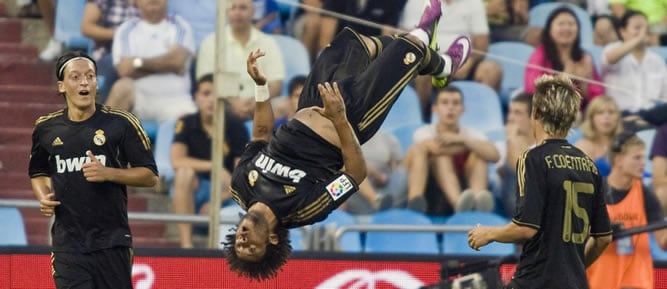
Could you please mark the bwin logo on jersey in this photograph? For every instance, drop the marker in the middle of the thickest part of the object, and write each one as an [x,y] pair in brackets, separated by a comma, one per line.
[269,165]
[74,164]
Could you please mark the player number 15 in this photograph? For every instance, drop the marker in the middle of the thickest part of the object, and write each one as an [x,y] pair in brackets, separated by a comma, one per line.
[572,189]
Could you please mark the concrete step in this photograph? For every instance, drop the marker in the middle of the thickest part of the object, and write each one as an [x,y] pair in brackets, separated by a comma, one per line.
[13,180]
[11,30]
[31,93]
[23,115]
[23,194]
[155,243]
[14,159]
[11,48]
[15,136]
[26,72]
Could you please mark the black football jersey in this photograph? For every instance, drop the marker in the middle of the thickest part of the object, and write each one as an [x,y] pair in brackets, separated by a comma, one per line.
[560,195]
[91,216]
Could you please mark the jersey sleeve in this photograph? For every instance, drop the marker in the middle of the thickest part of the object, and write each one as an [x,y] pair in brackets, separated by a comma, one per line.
[531,178]
[39,157]
[180,132]
[136,145]
[599,222]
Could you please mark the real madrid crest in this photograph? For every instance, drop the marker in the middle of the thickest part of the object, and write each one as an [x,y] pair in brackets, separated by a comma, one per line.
[409,58]
[99,139]
[252,177]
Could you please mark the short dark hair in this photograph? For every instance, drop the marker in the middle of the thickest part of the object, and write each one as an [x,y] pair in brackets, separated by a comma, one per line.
[65,58]
[205,78]
[450,89]
[525,98]
[266,268]
[299,80]
[629,14]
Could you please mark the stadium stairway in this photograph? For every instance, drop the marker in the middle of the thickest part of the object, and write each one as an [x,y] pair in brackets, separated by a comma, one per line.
[27,91]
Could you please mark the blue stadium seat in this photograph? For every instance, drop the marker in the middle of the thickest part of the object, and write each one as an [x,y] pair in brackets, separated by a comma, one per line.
[457,243]
[660,50]
[482,107]
[405,111]
[656,252]
[68,25]
[295,57]
[405,134]
[350,241]
[13,229]
[513,57]
[151,128]
[201,15]
[297,239]
[162,150]
[647,137]
[401,242]
[538,18]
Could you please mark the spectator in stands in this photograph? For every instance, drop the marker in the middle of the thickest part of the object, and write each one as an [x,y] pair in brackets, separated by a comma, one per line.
[54,47]
[637,76]
[287,107]
[385,12]
[152,56]
[602,123]
[455,156]
[519,135]
[243,38]
[266,17]
[385,184]
[200,14]
[99,23]
[508,20]
[655,11]
[460,17]
[659,160]
[604,24]
[561,50]
[307,26]
[630,204]
[191,157]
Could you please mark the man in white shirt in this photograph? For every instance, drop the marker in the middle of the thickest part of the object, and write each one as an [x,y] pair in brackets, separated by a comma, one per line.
[637,77]
[456,157]
[152,56]
[459,17]
[243,38]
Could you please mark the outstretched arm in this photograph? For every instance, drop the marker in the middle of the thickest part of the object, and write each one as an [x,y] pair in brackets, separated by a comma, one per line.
[510,233]
[334,110]
[262,126]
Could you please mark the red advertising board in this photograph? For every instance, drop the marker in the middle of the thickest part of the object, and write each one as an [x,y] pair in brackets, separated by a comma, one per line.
[25,271]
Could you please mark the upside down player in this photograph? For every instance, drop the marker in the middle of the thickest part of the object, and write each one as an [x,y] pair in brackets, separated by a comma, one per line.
[312,164]
[561,217]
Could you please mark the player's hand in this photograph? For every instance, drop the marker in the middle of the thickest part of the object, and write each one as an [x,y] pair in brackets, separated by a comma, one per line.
[479,237]
[48,204]
[334,105]
[253,67]
[94,171]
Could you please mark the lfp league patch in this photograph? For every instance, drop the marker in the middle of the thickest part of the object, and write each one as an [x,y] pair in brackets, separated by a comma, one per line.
[339,187]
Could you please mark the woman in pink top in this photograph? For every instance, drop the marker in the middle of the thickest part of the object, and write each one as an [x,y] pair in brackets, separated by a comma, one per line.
[561,50]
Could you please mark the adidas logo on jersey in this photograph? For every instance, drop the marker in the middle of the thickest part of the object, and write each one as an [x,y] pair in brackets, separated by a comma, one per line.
[57,142]
[74,164]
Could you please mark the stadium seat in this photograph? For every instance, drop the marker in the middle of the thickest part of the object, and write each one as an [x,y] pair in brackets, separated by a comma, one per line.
[13,229]
[405,134]
[482,107]
[68,25]
[297,239]
[457,243]
[162,150]
[512,56]
[350,241]
[401,242]
[405,111]
[201,15]
[295,57]
[647,137]
[656,252]
[660,50]
[151,128]
[538,18]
